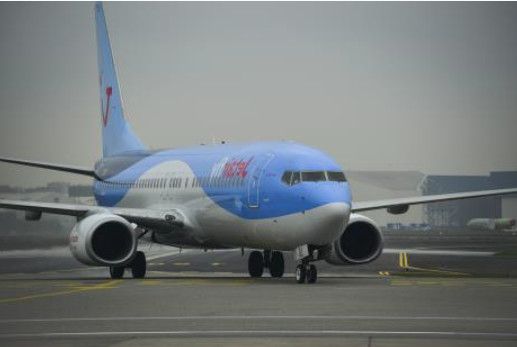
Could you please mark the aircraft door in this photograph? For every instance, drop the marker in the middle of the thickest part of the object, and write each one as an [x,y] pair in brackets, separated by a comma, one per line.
[255,179]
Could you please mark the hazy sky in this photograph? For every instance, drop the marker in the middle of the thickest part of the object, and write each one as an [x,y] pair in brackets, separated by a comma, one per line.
[379,86]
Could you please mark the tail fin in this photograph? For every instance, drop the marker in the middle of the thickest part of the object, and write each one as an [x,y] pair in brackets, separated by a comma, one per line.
[117,136]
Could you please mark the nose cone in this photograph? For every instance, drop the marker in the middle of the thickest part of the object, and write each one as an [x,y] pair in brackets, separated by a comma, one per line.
[324,193]
[327,222]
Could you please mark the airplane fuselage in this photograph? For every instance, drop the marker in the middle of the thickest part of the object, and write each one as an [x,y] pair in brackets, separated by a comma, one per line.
[276,195]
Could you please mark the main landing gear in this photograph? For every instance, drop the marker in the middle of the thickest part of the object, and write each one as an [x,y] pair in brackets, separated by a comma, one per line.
[138,267]
[273,260]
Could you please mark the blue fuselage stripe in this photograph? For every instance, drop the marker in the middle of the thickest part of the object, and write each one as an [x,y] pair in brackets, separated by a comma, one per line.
[245,180]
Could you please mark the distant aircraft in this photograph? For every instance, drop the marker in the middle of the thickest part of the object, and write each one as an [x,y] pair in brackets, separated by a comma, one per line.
[491,223]
[266,196]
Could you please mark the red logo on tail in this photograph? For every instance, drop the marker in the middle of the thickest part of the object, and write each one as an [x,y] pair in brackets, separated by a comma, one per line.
[109,91]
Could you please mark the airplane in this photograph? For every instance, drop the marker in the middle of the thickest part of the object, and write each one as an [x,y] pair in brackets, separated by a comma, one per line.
[269,197]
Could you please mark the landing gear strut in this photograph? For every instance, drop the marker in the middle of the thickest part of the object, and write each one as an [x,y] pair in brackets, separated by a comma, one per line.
[138,267]
[274,260]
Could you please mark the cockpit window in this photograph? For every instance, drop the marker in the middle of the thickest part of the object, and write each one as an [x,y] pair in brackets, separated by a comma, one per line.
[313,176]
[295,179]
[337,176]
[286,177]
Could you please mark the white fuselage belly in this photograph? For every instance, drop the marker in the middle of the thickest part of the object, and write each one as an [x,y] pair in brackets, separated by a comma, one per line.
[208,223]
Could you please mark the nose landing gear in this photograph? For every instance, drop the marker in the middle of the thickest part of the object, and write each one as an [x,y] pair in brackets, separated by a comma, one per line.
[306,271]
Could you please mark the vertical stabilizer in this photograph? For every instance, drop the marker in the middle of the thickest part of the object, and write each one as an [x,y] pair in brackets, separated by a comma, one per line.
[117,136]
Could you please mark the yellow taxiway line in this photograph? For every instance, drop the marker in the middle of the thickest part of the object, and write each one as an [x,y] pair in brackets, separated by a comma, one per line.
[106,285]
[404,264]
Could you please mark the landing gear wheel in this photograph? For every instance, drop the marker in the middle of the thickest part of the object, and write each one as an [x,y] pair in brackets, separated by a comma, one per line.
[256,264]
[138,265]
[312,274]
[300,273]
[276,266]
[116,272]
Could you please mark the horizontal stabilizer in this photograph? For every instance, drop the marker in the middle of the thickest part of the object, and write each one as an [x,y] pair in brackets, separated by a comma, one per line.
[55,167]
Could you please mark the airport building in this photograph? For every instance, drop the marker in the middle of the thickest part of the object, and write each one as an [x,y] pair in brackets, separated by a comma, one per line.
[59,192]
[372,185]
[458,213]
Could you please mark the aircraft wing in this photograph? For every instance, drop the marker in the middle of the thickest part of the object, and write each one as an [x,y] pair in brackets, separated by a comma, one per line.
[401,205]
[142,217]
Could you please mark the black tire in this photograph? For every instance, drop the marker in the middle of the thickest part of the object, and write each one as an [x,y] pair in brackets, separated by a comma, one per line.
[256,264]
[116,272]
[312,274]
[277,265]
[139,265]
[300,273]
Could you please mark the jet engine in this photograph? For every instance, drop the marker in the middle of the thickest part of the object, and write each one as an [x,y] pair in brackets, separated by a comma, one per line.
[103,239]
[361,242]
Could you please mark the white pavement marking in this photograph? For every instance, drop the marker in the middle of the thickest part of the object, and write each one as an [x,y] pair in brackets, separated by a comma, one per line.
[438,252]
[424,318]
[267,332]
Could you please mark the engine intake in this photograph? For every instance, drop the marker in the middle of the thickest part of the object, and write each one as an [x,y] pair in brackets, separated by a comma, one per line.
[361,242]
[103,239]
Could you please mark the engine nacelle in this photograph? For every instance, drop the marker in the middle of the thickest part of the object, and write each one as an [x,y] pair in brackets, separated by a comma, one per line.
[103,239]
[361,242]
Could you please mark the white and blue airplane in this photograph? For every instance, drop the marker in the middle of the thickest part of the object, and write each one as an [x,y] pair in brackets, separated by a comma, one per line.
[265,196]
